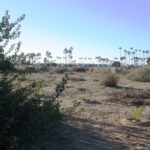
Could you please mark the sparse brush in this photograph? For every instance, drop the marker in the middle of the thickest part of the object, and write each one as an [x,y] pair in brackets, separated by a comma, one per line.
[137,112]
[91,69]
[78,69]
[131,97]
[110,80]
[76,79]
[61,70]
[142,75]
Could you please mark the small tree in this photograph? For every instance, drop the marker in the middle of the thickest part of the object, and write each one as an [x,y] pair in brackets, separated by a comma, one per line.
[27,119]
[9,31]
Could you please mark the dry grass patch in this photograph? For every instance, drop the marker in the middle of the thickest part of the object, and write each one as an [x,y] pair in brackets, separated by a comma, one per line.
[131,97]
[142,75]
[61,70]
[76,79]
[78,69]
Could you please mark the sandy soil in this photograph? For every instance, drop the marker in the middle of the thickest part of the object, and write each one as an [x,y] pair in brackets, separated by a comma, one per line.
[98,123]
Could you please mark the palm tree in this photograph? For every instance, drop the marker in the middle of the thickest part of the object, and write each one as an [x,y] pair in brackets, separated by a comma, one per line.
[48,55]
[65,57]
[125,51]
[133,56]
[38,56]
[143,57]
[32,57]
[129,53]
[120,48]
[131,50]
[70,53]
[98,59]
[140,55]
[122,59]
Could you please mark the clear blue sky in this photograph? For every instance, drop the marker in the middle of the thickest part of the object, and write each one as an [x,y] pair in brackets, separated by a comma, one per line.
[92,27]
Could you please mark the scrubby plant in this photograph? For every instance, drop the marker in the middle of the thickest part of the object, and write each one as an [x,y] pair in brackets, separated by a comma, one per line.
[142,75]
[130,96]
[78,69]
[61,70]
[77,79]
[137,112]
[110,80]
[26,119]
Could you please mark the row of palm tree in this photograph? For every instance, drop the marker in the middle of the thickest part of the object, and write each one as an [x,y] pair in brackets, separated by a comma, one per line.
[133,56]
[127,57]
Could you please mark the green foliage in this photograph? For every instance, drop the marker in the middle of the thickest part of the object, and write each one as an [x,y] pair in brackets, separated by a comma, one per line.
[26,118]
[6,65]
[137,112]
[9,31]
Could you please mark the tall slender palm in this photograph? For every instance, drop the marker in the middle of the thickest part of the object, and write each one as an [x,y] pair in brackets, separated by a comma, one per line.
[120,49]
[38,57]
[143,51]
[125,52]
[49,56]
[65,57]
[70,53]
[122,59]
[131,58]
[129,53]
[139,56]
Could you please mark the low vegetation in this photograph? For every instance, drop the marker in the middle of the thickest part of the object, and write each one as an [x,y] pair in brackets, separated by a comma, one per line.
[78,69]
[26,120]
[142,75]
[77,79]
[61,70]
[137,112]
[131,97]
[110,80]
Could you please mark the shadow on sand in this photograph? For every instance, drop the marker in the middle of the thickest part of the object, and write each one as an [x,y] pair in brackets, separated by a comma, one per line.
[83,134]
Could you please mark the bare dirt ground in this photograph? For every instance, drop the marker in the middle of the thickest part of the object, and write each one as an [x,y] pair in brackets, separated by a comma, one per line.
[98,124]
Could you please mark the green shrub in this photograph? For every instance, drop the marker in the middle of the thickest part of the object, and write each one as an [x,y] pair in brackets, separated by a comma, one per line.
[26,119]
[110,80]
[137,112]
[6,65]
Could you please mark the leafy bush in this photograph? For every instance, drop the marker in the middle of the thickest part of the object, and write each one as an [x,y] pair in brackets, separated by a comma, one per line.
[6,65]
[142,75]
[110,80]
[9,31]
[26,119]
